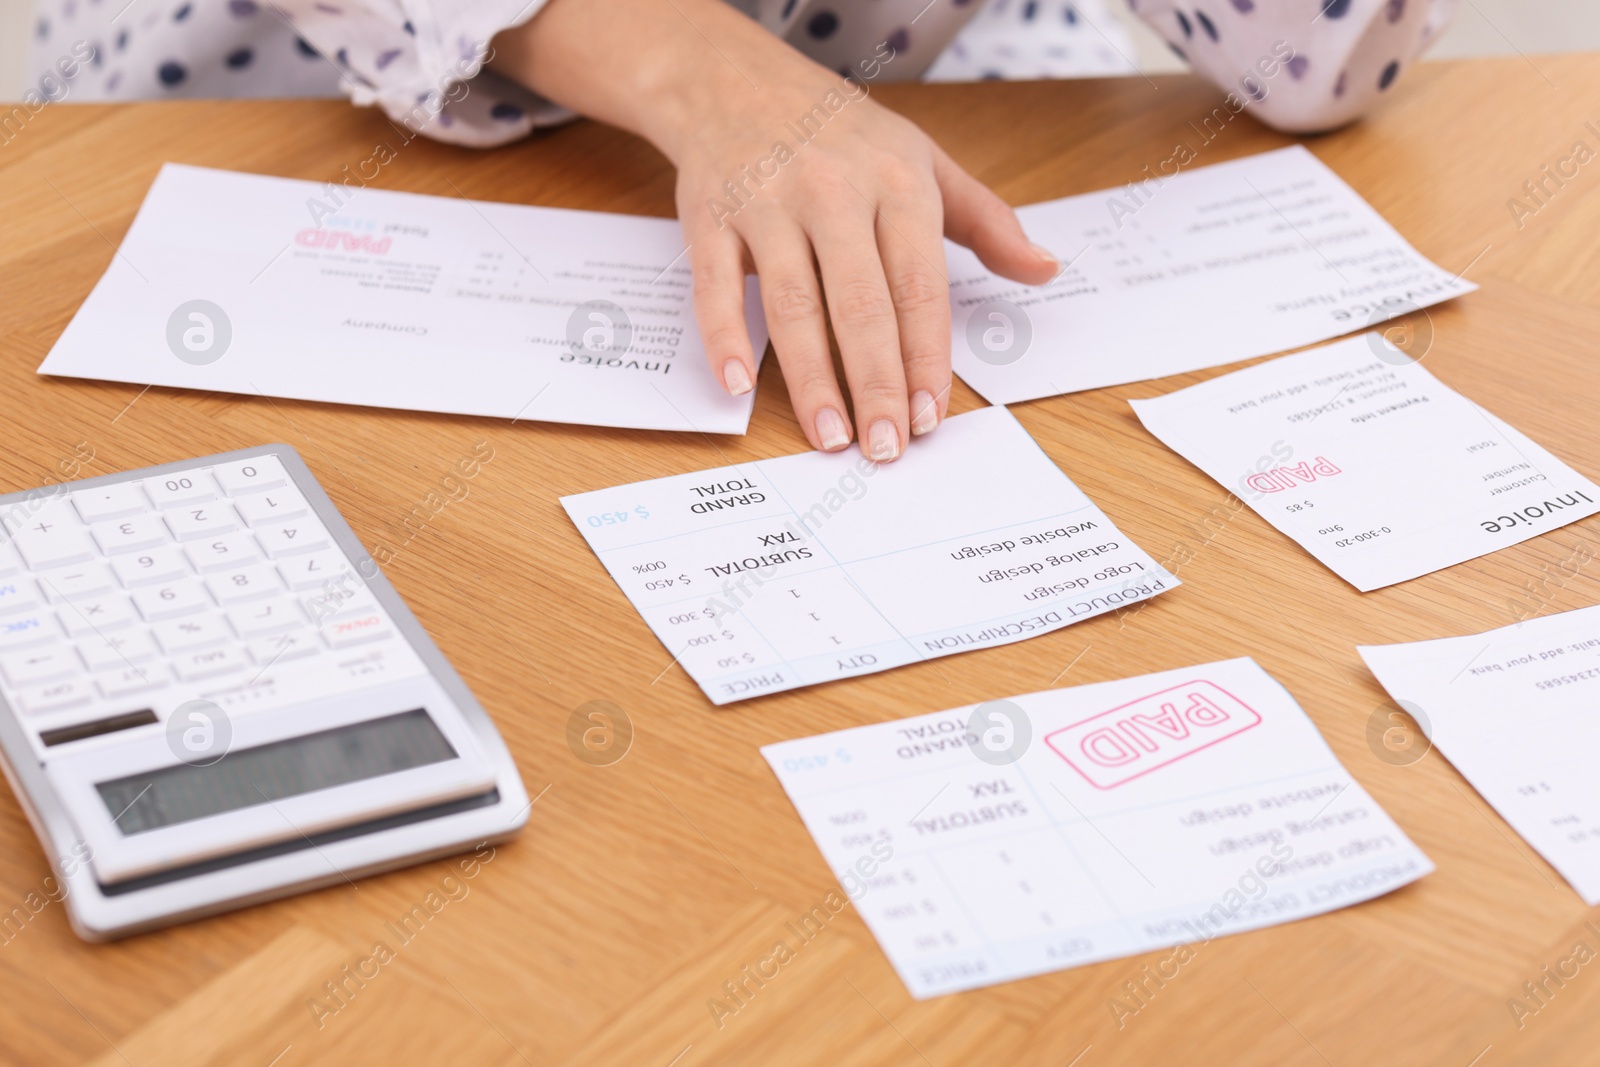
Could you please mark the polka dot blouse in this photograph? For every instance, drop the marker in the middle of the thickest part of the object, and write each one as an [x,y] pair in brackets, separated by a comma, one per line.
[1300,65]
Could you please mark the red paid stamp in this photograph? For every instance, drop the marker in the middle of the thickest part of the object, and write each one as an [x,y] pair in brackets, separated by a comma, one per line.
[1122,744]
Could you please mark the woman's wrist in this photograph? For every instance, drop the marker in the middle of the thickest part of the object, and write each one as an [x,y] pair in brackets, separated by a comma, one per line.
[675,72]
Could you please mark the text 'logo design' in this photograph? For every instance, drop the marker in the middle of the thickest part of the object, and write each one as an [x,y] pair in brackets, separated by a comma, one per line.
[1119,745]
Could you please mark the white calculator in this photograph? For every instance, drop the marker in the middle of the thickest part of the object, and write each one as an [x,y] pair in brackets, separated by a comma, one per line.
[213,697]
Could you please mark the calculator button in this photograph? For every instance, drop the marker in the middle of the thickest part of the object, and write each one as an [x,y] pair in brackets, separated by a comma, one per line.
[356,629]
[171,600]
[250,475]
[338,600]
[190,523]
[291,538]
[92,615]
[44,507]
[192,666]
[19,631]
[18,594]
[109,502]
[245,584]
[53,537]
[314,570]
[38,665]
[272,617]
[78,582]
[111,651]
[132,680]
[270,650]
[277,506]
[157,565]
[176,490]
[10,562]
[223,552]
[186,635]
[355,600]
[53,696]
[129,535]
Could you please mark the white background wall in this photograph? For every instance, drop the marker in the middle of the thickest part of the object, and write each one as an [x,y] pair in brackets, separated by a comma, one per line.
[16,31]
[1483,27]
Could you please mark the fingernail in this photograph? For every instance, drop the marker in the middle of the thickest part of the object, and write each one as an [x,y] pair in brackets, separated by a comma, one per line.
[1048,256]
[735,377]
[924,412]
[885,440]
[831,430]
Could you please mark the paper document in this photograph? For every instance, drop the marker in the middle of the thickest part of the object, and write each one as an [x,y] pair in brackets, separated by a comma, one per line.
[266,286]
[1045,831]
[1171,274]
[1377,468]
[1514,710]
[781,573]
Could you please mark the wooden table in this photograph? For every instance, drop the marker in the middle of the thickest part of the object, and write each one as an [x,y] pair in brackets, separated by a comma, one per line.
[597,937]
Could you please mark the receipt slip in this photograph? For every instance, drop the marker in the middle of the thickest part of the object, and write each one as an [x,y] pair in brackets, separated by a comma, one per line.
[249,284]
[1514,710]
[1372,464]
[1041,832]
[1174,273]
[770,575]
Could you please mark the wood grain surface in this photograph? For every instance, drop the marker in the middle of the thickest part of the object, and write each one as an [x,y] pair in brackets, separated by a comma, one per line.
[597,937]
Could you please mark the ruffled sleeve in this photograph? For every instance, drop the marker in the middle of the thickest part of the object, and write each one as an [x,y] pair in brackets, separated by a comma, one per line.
[1301,66]
[424,64]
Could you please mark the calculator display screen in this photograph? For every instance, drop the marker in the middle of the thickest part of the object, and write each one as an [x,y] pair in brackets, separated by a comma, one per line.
[271,772]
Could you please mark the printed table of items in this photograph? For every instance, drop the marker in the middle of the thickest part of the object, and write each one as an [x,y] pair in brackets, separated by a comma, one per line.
[217,582]
[1000,876]
[772,575]
[1101,822]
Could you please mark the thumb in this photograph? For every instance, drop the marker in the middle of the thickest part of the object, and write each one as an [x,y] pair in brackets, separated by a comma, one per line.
[975,217]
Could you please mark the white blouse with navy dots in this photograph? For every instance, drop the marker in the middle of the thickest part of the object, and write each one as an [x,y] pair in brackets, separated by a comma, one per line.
[1300,65]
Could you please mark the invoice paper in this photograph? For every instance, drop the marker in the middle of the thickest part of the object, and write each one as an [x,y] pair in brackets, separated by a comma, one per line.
[1376,467]
[1045,831]
[1171,274]
[1514,710]
[258,285]
[781,573]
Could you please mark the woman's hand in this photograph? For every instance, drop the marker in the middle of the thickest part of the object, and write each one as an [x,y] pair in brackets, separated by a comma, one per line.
[795,173]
